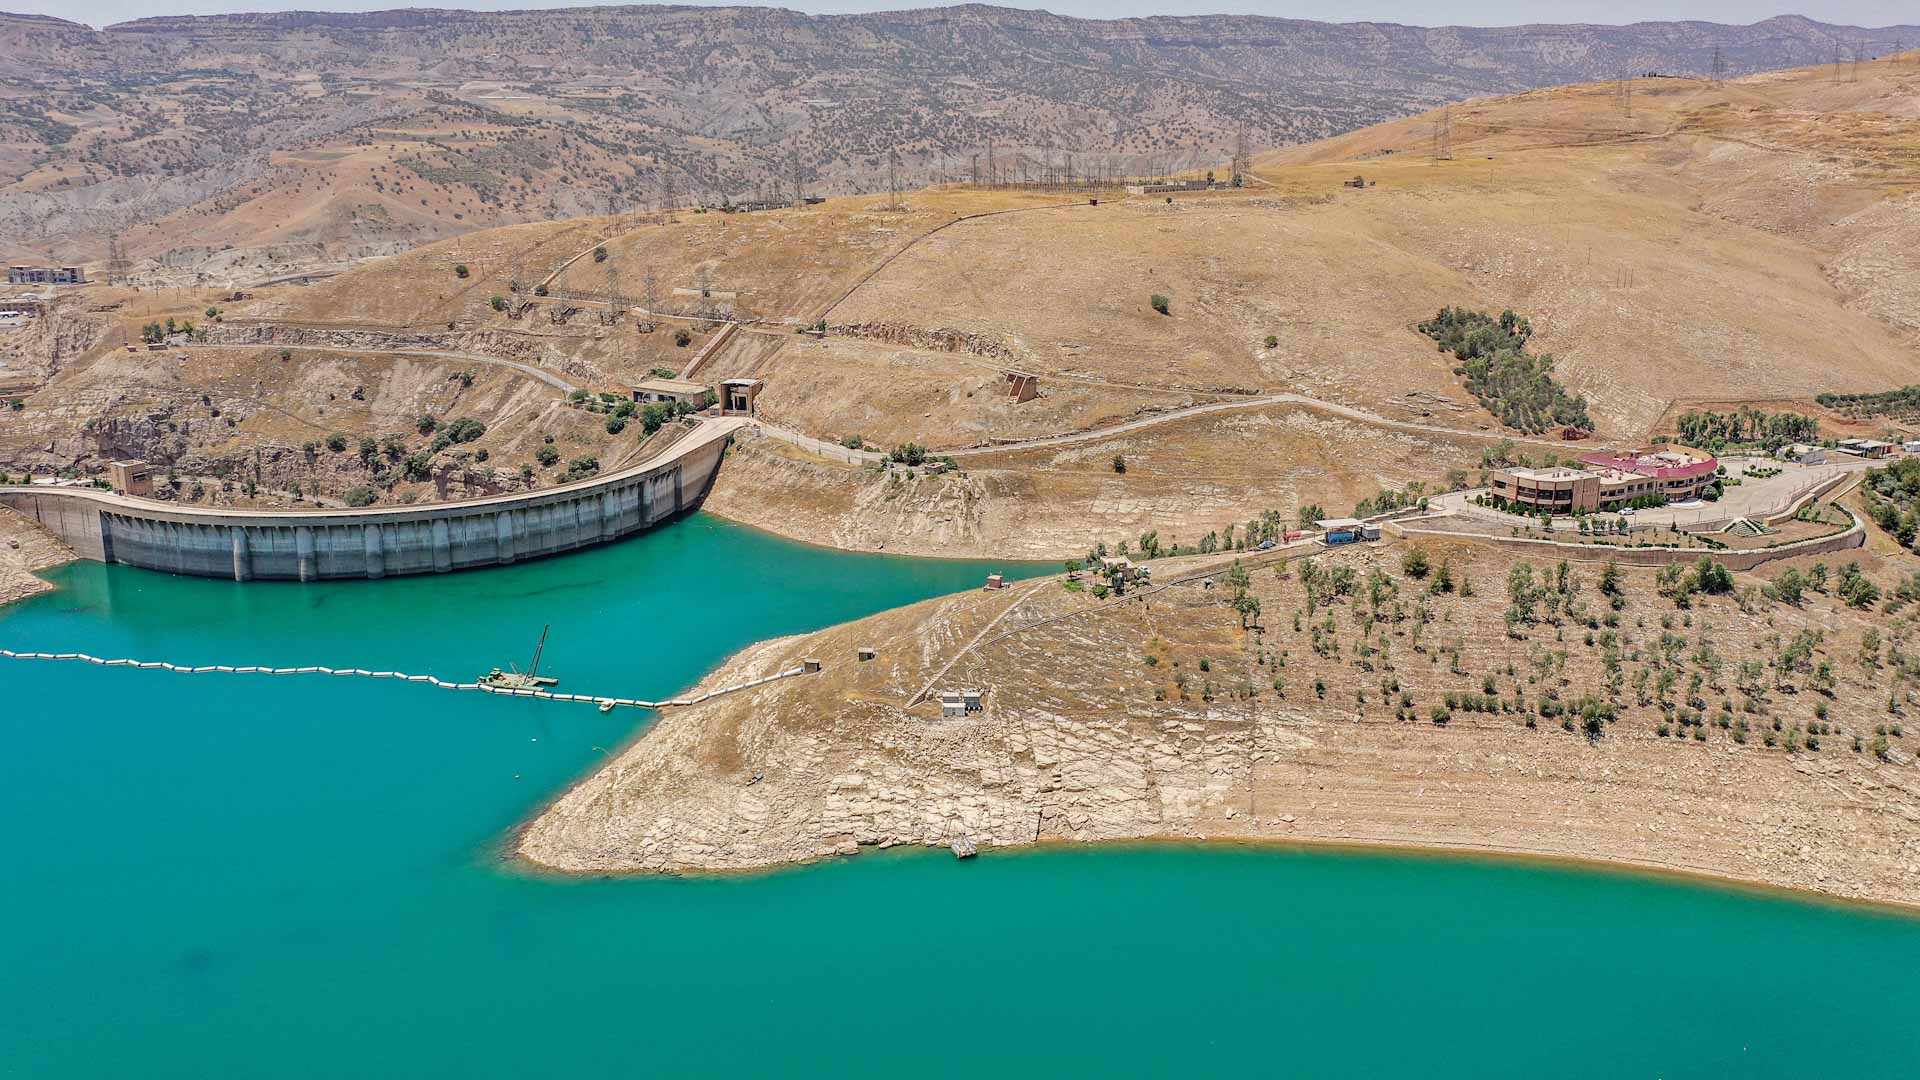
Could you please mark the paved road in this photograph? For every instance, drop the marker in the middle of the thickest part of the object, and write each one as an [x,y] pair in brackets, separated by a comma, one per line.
[708,430]
[528,370]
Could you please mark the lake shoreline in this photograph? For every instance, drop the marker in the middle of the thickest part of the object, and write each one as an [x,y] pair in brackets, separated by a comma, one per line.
[25,551]
[504,854]
[1071,748]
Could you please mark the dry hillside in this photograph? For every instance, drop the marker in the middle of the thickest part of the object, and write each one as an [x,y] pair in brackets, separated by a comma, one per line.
[1747,241]
[1734,735]
[229,149]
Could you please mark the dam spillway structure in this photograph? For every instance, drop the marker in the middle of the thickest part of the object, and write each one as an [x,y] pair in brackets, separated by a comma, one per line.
[377,542]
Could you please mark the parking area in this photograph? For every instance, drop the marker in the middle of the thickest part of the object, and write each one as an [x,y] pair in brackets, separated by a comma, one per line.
[1765,486]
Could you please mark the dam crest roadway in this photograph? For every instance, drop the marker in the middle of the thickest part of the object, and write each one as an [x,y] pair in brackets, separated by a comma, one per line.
[375,542]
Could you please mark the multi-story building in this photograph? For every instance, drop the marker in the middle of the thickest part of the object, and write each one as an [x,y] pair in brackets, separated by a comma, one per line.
[46,275]
[1609,479]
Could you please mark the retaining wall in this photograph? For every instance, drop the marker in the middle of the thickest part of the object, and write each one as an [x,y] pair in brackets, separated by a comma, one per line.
[320,545]
[1735,559]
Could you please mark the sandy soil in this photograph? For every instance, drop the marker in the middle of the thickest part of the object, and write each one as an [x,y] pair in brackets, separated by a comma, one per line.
[1084,738]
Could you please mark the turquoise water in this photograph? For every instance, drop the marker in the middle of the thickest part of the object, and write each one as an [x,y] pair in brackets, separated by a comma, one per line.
[251,876]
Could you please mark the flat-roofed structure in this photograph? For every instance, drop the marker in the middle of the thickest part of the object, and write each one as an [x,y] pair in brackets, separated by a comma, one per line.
[737,396]
[1558,490]
[46,275]
[1608,479]
[1867,448]
[657,390]
[131,477]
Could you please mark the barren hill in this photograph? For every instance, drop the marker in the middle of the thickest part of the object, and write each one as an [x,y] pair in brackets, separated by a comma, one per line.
[241,146]
[1673,241]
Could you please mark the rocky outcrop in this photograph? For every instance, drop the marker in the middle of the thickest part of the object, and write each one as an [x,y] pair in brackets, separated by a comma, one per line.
[938,338]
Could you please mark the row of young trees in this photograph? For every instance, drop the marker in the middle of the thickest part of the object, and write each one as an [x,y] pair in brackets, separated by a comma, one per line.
[1508,381]
[1903,403]
[1746,426]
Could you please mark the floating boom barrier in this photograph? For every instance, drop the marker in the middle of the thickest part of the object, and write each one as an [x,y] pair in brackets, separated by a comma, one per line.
[545,695]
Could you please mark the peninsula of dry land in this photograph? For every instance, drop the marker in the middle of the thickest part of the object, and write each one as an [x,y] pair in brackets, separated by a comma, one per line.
[1738,727]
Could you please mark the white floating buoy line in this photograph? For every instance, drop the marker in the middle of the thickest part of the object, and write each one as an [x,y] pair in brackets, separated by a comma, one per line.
[606,704]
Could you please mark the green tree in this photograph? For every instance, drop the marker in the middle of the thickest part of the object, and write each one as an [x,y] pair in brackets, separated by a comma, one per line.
[1160,304]
[1414,564]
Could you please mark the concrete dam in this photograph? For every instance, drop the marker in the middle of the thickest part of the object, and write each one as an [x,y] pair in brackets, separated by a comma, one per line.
[374,542]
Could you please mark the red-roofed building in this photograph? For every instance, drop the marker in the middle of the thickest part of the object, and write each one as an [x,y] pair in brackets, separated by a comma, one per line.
[1609,479]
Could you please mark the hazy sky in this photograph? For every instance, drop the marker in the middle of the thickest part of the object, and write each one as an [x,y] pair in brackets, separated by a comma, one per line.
[1429,13]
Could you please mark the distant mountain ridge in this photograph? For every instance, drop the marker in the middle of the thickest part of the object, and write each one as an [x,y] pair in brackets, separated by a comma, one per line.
[524,114]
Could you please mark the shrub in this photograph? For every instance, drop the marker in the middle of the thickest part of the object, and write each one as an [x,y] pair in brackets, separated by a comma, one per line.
[360,496]
[337,442]
[464,430]
[1161,304]
[460,270]
[600,254]
[582,467]
[1119,464]
[616,424]
[417,466]
[426,425]
[499,303]
[681,338]
[908,454]
[1415,563]
[546,455]
[1272,341]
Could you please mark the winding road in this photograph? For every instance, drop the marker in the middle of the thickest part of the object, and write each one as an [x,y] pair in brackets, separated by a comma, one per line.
[528,370]
[1361,415]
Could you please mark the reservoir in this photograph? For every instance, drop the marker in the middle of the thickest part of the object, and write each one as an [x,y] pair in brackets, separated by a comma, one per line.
[241,875]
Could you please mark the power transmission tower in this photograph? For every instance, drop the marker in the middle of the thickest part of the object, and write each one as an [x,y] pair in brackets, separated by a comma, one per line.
[1242,160]
[893,180]
[1853,74]
[1626,95]
[1719,66]
[117,269]
[1443,136]
[793,174]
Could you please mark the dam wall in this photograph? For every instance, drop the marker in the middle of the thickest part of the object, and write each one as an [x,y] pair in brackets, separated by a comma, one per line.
[375,542]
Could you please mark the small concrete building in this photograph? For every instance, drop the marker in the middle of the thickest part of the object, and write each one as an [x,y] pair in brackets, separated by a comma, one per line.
[1348,530]
[131,477]
[737,396]
[658,390]
[996,582]
[1117,568]
[1803,454]
[952,705]
[1866,448]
